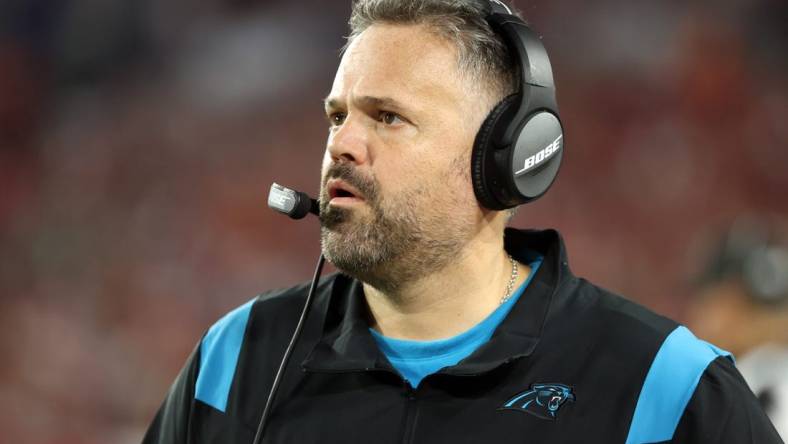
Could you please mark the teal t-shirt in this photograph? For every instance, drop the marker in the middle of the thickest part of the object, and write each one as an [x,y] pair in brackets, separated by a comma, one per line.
[415,360]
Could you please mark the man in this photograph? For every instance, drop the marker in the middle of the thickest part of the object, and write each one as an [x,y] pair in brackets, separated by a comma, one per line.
[443,328]
[744,283]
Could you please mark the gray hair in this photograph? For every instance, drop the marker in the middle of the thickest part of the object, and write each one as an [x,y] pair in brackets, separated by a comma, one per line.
[481,53]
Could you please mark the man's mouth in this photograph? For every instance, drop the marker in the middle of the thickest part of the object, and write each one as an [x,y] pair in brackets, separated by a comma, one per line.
[342,193]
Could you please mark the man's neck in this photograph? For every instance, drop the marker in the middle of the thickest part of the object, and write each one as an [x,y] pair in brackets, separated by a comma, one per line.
[449,301]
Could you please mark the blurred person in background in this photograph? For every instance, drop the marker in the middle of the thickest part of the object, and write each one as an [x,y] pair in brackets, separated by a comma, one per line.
[444,325]
[741,304]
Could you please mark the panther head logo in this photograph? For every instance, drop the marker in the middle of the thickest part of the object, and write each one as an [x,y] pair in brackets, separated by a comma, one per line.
[542,400]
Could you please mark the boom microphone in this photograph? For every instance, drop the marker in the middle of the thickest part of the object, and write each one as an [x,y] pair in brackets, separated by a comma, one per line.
[296,205]
[291,202]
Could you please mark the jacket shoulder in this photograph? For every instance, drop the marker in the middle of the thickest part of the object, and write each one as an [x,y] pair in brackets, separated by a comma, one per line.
[609,317]
[262,318]
[658,355]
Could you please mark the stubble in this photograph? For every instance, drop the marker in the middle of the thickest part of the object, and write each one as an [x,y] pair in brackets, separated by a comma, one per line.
[399,239]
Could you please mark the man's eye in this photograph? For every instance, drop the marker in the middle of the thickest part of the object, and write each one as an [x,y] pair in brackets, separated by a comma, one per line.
[336,119]
[390,118]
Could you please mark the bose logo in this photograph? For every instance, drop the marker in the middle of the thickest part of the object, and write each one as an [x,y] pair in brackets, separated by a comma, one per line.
[279,199]
[544,154]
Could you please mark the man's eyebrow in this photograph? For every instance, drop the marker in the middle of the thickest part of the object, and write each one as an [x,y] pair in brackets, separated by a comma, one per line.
[370,101]
[330,103]
[380,102]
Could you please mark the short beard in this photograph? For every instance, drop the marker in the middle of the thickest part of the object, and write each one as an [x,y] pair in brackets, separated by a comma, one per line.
[393,247]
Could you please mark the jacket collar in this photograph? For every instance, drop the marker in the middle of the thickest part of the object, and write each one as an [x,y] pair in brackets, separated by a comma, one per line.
[347,345]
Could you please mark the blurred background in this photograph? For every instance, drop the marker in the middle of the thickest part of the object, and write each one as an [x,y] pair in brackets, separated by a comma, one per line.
[138,140]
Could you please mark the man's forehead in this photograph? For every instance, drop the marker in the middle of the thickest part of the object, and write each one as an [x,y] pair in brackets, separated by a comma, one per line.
[398,63]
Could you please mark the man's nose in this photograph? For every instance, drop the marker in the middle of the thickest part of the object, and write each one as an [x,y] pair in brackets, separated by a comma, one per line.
[349,142]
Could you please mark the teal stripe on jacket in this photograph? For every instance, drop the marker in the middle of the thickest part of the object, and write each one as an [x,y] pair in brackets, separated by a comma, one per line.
[669,386]
[219,352]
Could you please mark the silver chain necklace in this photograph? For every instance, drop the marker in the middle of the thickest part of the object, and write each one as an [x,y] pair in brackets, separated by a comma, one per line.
[512,280]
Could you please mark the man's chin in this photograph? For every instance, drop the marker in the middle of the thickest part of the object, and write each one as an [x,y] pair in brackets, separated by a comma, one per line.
[358,265]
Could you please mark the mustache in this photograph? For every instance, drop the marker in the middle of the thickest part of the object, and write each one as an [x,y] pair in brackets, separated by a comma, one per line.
[344,171]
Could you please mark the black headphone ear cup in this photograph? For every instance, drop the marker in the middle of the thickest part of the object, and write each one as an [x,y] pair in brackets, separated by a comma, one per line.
[484,174]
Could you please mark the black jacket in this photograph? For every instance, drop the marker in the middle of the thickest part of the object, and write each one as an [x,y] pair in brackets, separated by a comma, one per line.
[571,363]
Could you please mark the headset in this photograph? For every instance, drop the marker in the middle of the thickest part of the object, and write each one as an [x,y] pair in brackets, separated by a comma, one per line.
[515,157]
[519,146]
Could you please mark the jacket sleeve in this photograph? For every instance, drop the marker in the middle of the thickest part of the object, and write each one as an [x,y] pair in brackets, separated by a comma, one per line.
[723,409]
[171,423]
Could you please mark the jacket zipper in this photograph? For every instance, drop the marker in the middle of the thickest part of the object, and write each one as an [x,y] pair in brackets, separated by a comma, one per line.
[411,413]
[411,401]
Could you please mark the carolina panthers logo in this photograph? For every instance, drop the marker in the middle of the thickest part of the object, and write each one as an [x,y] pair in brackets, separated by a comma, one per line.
[542,401]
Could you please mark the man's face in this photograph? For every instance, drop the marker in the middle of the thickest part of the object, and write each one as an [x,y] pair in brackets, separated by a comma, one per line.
[396,197]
